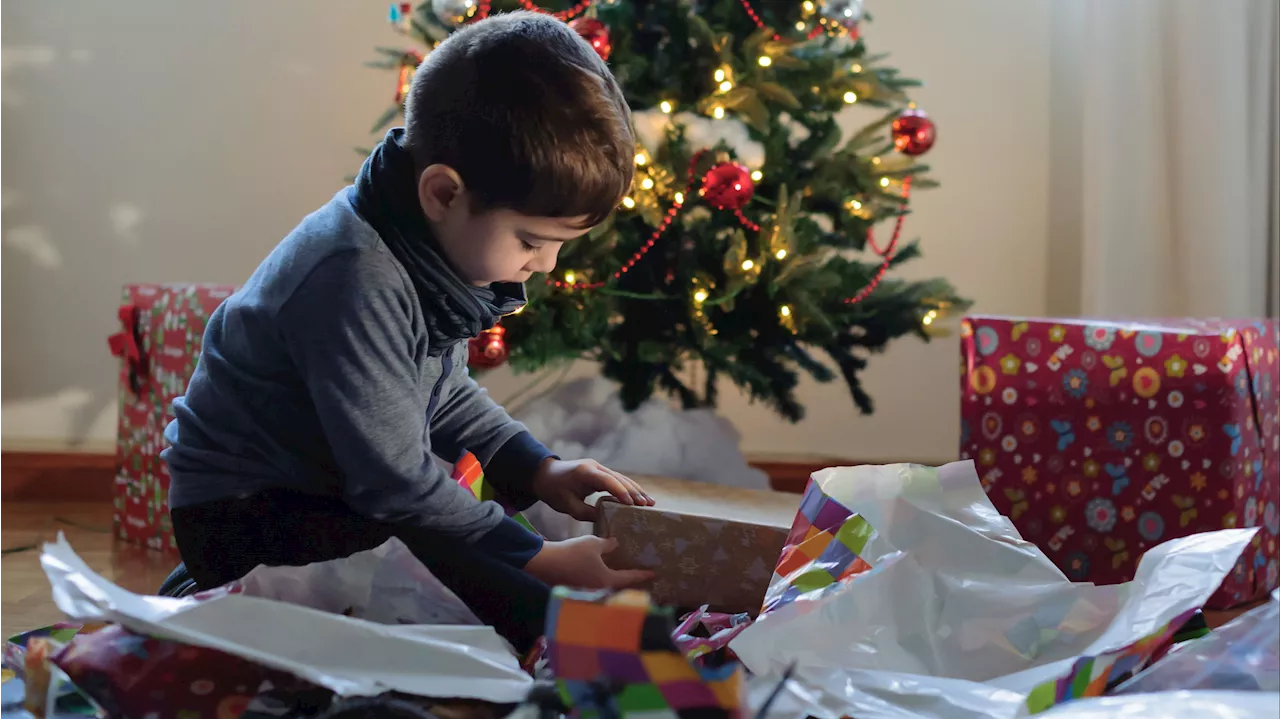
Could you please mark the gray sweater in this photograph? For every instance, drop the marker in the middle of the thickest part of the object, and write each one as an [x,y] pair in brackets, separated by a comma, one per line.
[315,377]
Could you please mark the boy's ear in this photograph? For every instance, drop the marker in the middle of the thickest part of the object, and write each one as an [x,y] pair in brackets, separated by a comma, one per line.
[440,189]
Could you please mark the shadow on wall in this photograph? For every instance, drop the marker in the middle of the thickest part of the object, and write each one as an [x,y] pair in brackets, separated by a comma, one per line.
[49,265]
[54,296]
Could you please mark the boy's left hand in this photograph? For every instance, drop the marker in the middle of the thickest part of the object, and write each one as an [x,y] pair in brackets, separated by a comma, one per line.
[563,486]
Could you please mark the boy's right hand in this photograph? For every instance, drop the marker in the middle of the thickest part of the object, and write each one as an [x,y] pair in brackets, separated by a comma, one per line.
[579,563]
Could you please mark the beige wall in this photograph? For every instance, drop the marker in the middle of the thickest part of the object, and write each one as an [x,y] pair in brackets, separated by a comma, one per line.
[176,141]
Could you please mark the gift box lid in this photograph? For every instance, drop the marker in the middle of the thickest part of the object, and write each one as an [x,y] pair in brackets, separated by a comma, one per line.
[713,501]
[1178,325]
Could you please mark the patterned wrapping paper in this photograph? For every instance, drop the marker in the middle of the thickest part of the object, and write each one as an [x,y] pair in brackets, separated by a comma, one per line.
[1102,439]
[823,548]
[613,655]
[132,675]
[159,343]
[1093,676]
[705,544]
[15,647]
[468,472]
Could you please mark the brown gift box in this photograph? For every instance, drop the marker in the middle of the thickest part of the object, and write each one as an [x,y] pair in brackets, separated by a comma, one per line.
[705,543]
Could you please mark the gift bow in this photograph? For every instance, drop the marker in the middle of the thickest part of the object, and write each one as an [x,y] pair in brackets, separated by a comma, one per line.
[128,344]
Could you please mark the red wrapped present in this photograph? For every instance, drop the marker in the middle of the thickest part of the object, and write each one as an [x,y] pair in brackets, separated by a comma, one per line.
[132,675]
[1102,439]
[158,343]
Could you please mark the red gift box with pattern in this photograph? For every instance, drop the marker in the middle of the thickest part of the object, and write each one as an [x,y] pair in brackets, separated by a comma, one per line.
[161,327]
[1102,439]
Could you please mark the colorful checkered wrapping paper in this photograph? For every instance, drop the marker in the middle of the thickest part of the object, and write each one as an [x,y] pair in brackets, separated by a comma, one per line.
[1096,675]
[823,549]
[468,472]
[613,656]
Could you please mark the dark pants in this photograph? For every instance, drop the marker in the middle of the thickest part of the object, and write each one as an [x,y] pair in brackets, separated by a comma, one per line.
[222,541]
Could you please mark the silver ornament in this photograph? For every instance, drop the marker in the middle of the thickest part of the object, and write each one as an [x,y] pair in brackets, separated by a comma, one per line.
[452,13]
[844,12]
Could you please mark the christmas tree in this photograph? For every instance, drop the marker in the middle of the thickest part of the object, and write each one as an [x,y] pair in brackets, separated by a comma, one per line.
[748,247]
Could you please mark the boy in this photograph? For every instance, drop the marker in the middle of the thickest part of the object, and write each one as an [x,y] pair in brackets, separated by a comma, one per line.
[327,382]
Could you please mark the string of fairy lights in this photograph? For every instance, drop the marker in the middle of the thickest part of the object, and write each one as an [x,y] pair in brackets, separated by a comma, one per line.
[727,185]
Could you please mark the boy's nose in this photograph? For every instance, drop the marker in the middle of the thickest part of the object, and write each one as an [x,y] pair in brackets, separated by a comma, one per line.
[545,263]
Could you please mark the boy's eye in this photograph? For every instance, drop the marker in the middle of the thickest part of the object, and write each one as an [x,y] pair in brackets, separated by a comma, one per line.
[528,247]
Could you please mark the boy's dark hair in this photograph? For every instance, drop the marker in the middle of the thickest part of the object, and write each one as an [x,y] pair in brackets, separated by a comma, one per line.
[528,114]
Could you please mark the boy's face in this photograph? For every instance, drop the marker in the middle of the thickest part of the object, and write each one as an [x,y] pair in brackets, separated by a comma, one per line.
[496,245]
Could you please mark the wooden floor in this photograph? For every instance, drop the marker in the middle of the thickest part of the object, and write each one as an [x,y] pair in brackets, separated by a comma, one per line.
[25,598]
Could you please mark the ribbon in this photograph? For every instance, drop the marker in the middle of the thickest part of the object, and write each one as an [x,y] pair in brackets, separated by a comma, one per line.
[128,345]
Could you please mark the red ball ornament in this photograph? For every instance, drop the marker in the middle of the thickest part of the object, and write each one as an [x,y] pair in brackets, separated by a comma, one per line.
[728,186]
[489,350]
[595,33]
[913,133]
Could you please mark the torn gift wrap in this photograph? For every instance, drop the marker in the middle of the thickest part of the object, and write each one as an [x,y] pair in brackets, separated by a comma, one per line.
[347,655]
[468,473]
[706,544]
[954,610]
[613,656]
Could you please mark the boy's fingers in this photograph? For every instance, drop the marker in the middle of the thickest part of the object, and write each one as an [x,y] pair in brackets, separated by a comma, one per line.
[633,488]
[626,578]
[609,482]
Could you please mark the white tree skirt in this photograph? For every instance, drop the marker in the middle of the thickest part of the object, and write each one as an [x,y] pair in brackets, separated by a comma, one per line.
[585,419]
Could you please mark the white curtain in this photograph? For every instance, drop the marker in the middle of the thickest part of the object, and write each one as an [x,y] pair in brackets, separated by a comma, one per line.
[1164,158]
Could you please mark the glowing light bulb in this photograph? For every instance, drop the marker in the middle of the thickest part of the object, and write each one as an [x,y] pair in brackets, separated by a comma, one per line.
[569,277]
[756,176]
[875,161]
[850,97]
[640,158]
[855,68]
[807,5]
[800,26]
[679,198]
[718,112]
[628,203]
[856,205]
[781,254]
[720,75]
[785,311]
[700,296]
[726,86]
[647,183]
[884,182]
[665,106]
[765,61]
[747,265]
[928,320]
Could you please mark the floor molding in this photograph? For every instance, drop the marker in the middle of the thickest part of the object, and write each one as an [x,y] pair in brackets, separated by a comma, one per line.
[52,476]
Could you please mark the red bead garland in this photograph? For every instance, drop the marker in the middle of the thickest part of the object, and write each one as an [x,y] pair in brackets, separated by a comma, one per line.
[886,253]
[486,6]
[815,31]
[569,14]
[653,238]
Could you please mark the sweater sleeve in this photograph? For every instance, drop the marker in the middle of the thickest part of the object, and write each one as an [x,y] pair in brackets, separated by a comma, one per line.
[349,330]
[469,420]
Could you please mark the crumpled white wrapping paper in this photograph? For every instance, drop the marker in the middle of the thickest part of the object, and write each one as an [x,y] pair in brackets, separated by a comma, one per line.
[959,616]
[350,655]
